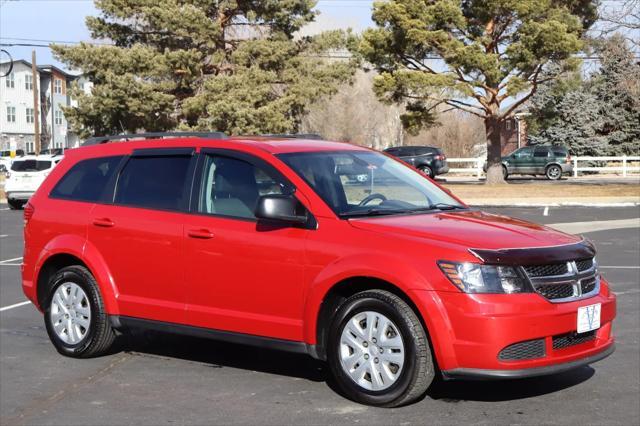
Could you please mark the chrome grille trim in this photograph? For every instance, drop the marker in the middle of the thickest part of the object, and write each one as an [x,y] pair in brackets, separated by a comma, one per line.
[578,280]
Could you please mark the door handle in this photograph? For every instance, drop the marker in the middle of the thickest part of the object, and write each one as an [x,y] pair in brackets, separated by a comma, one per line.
[103,222]
[203,234]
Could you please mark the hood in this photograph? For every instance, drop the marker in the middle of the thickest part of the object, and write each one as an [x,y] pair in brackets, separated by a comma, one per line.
[471,229]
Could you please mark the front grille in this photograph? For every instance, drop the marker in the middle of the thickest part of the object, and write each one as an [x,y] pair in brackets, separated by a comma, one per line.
[571,339]
[584,265]
[523,350]
[547,270]
[555,291]
[561,282]
[588,285]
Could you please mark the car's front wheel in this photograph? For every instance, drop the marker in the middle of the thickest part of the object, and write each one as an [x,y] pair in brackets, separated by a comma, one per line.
[74,314]
[378,350]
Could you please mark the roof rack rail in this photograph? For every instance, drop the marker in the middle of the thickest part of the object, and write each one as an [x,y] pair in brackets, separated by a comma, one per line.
[293,136]
[97,140]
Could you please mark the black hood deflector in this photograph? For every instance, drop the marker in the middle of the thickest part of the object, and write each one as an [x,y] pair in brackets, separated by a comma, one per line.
[536,255]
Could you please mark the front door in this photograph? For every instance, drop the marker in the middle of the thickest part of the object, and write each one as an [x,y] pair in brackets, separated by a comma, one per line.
[140,235]
[243,275]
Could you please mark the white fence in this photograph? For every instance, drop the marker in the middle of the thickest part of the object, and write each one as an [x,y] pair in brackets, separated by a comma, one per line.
[476,165]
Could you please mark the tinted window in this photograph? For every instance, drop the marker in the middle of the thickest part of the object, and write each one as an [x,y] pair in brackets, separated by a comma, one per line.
[425,151]
[560,153]
[231,187]
[154,182]
[30,165]
[541,152]
[86,180]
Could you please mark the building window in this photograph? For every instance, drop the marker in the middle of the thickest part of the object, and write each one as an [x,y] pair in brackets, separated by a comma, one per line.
[58,117]
[28,82]
[11,114]
[29,114]
[57,85]
[508,124]
[30,146]
[11,81]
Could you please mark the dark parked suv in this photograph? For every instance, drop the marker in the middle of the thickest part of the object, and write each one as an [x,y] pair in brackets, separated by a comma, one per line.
[548,160]
[430,161]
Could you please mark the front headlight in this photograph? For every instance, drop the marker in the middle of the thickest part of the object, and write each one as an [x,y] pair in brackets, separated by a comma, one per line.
[476,278]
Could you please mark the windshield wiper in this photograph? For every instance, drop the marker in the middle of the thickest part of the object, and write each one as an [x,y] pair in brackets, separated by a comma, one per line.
[373,212]
[444,206]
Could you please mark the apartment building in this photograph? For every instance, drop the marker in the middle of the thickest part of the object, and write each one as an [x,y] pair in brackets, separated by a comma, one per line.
[17,111]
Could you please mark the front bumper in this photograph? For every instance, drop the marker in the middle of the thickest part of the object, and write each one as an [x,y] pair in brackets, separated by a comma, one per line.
[472,329]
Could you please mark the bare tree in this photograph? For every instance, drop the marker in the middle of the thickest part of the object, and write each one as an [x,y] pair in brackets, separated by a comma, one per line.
[621,17]
[356,115]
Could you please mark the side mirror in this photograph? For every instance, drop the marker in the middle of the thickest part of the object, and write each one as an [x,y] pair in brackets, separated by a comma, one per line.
[281,208]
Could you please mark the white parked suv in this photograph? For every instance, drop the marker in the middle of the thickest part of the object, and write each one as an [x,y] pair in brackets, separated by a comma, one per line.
[26,175]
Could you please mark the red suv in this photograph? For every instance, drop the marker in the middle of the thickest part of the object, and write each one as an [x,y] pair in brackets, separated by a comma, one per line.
[267,242]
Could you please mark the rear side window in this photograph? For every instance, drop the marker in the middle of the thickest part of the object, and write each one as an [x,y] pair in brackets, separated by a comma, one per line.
[426,151]
[154,182]
[559,153]
[541,152]
[30,165]
[86,180]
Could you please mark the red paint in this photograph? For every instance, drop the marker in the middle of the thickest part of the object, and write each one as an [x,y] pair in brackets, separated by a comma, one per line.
[230,274]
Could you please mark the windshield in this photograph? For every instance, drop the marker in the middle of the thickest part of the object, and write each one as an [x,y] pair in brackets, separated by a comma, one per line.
[30,165]
[360,183]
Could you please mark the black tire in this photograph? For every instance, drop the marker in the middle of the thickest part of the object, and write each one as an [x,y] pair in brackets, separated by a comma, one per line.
[427,171]
[553,172]
[14,204]
[418,370]
[101,335]
[505,173]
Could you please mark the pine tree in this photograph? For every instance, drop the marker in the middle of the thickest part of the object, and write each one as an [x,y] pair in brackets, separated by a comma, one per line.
[227,65]
[492,54]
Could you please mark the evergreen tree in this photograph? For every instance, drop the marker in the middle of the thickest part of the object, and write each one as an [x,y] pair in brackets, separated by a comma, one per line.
[227,65]
[492,54]
[598,116]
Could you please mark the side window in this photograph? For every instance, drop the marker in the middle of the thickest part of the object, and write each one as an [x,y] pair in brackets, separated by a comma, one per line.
[524,153]
[541,153]
[86,180]
[155,182]
[231,187]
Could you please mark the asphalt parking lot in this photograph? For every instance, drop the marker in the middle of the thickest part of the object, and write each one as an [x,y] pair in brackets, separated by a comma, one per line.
[164,379]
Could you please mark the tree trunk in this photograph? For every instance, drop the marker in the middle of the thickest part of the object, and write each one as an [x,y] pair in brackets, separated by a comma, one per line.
[494,150]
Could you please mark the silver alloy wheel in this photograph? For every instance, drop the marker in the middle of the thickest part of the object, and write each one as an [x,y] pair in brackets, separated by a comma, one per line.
[554,172]
[70,313]
[371,351]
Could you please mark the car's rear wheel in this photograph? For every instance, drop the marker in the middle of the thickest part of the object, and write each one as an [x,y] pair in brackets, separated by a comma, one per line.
[74,314]
[427,171]
[378,350]
[553,172]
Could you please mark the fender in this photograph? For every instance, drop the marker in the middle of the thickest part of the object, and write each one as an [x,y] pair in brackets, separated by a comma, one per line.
[79,247]
[403,276]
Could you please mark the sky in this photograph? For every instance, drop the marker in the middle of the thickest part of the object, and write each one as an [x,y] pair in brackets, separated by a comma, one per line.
[63,20]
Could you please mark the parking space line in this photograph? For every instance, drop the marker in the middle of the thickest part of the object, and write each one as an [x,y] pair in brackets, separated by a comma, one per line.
[3,236]
[10,260]
[17,305]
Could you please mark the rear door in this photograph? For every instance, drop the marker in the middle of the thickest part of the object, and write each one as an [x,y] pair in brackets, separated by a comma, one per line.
[408,155]
[541,157]
[140,235]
